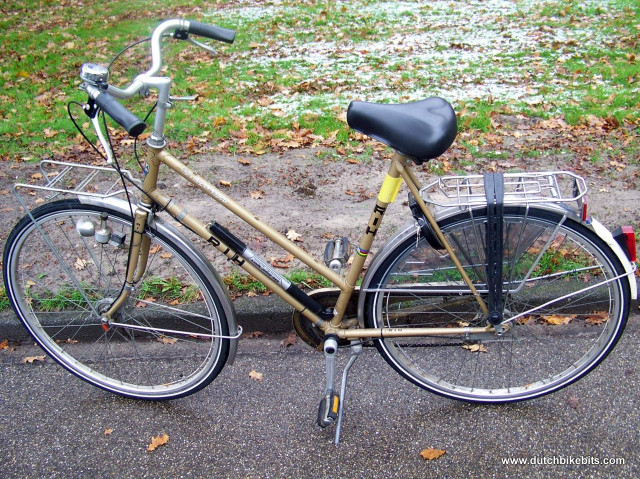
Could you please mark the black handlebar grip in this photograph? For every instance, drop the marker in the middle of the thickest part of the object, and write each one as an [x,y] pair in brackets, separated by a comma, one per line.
[211,31]
[120,114]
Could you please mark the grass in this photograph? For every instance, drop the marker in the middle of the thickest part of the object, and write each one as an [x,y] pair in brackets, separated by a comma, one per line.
[298,64]
[239,283]
[168,289]
[58,300]
[4,299]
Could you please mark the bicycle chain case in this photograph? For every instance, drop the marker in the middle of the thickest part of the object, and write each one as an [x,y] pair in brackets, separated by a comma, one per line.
[426,231]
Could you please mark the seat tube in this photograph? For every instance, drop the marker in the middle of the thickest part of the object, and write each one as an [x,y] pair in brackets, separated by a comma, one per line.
[387,195]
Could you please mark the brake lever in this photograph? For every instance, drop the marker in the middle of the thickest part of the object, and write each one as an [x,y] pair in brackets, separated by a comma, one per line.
[201,45]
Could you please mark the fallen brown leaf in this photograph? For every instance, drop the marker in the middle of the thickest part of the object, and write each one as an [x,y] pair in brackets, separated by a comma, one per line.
[225,183]
[158,441]
[164,340]
[597,318]
[431,453]
[475,348]
[80,264]
[253,334]
[289,340]
[282,262]
[293,236]
[31,359]
[108,431]
[557,319]
[255,375]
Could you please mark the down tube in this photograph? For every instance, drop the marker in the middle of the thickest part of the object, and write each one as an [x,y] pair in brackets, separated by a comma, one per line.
[249,218]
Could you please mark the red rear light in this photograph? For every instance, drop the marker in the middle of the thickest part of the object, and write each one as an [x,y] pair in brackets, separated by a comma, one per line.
[626,238]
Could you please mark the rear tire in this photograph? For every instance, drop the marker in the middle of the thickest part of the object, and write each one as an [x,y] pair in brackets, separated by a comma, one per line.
[60,299]
[541,352]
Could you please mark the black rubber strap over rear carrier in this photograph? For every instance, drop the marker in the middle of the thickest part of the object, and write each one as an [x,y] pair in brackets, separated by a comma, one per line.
[211,31]
[494,191]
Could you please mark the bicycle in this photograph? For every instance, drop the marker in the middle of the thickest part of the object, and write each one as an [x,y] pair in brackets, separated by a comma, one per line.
[500,287]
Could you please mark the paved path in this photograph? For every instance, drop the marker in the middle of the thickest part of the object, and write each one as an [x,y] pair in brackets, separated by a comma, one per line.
[53,424]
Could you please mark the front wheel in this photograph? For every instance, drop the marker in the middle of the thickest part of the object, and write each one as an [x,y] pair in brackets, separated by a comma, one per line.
[545,257]
[61,278]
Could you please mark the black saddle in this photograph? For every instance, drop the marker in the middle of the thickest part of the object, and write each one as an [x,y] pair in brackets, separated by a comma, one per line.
[421,130]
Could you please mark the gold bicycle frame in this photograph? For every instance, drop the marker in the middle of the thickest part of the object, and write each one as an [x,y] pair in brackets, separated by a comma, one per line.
[398,171]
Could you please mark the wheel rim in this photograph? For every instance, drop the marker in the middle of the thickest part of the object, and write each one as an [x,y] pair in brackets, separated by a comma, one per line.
[542,351]
[67,324]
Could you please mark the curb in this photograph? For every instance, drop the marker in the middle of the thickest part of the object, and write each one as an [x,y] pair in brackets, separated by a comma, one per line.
[268,314]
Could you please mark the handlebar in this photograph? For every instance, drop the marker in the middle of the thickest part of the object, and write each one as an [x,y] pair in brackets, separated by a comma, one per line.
[117,111]
[189,26]
[105,95]
[211,31]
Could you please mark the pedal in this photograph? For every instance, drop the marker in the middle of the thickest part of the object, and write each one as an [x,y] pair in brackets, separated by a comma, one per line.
[336,253]
[328,410]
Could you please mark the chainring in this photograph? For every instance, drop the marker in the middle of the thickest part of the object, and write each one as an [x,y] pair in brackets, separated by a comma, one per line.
[327,298]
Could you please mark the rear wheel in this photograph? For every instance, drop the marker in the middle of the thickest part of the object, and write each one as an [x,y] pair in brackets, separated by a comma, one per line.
[541,351]
[60,295]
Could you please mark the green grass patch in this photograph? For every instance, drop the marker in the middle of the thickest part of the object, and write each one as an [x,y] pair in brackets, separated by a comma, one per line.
[299,63]
[168,289]
[4,299]
[239,283]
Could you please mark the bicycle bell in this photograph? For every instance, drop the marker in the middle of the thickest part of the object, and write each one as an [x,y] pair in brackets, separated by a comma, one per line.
[94,74]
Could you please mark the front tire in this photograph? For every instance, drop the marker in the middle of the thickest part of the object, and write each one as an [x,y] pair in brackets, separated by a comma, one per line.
[60,298]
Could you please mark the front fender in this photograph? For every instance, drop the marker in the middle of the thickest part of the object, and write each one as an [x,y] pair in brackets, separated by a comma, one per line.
[194,254]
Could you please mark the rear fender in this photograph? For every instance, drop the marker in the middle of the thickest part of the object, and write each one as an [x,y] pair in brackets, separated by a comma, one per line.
[410,229]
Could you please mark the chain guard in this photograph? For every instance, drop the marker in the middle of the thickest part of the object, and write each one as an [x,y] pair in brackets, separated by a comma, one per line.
[327,298]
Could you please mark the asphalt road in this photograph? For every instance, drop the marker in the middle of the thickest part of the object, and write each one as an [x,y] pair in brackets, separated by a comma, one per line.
[53,425]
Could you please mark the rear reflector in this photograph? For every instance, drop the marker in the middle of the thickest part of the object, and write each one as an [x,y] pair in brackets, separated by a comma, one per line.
[626,238]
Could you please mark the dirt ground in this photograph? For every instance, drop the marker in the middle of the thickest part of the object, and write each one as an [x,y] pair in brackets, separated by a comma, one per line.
[316,196]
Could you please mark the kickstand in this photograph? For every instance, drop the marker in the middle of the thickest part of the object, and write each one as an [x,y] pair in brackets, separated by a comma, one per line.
[356,349]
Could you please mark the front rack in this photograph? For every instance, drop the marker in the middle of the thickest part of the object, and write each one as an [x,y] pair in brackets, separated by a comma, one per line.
[519,188]
[79,180]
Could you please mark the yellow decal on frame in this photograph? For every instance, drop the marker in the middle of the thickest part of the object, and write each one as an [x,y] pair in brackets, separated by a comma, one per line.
[390,188]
